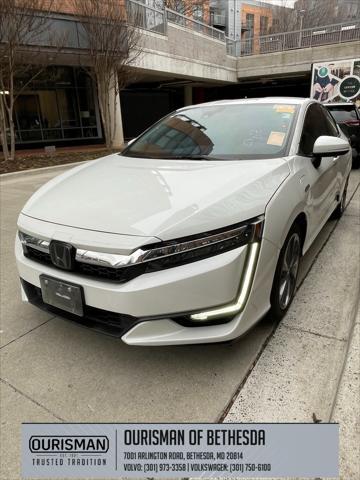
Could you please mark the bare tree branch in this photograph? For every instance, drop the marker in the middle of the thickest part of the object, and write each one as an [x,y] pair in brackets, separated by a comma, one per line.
[112,37]
[288,16]
[198,9]
[24,26]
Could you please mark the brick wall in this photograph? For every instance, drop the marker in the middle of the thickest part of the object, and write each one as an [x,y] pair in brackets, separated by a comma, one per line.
[258,12]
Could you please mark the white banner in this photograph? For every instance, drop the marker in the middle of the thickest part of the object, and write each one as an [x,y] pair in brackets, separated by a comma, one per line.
[336,81]
[179,450]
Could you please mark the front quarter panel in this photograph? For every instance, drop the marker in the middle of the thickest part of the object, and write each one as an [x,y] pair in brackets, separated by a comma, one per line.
[283,208]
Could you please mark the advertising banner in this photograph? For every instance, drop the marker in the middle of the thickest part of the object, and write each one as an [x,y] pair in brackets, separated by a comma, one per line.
[336,81]
[179,450]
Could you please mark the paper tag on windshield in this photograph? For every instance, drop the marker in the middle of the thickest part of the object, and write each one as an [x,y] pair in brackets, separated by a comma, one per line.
[276,138]
[284,108]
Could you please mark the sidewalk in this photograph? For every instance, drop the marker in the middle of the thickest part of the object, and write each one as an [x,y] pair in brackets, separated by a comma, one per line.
[310,368]
[27,160]
[347,406]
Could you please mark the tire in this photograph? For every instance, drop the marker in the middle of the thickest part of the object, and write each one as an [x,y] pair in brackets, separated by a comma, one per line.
[286,273]
[339,210]
[355,159]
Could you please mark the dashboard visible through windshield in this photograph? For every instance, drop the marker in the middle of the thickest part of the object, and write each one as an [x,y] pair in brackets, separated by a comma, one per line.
[219,132]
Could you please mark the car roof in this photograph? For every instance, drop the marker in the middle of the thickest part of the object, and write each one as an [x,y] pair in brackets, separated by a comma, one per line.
[244,101]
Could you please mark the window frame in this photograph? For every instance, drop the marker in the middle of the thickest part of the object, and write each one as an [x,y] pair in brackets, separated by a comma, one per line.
[312,104]
[330,118]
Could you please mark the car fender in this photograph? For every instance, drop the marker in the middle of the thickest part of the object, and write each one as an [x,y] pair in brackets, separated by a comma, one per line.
[283,208]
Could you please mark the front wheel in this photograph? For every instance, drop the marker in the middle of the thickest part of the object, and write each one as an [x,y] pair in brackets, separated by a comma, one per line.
[355,158]
[284,285]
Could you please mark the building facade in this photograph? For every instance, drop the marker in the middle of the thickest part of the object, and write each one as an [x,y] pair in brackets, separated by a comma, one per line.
[59,106]
[242,18]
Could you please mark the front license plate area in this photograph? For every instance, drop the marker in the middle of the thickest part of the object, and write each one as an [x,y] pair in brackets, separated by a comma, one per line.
[63,295]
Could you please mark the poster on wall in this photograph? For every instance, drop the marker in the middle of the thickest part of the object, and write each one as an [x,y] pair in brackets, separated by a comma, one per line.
[336,81]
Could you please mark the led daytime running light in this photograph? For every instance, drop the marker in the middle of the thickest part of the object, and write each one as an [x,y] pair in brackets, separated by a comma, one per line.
[243,293]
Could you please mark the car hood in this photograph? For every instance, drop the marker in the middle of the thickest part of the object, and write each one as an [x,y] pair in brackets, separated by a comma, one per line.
[157,198]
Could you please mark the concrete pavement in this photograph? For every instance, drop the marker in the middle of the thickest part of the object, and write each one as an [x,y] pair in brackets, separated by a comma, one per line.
[310,366]
[53,370]
[346,407]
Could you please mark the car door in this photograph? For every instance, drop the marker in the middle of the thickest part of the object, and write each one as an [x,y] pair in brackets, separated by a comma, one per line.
[320,182]
[341,160]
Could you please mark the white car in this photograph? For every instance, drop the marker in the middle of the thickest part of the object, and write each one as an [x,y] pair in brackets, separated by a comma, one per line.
[195,231]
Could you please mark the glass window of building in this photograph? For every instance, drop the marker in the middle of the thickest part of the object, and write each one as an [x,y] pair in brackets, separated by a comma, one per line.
[264,24]
[58,105]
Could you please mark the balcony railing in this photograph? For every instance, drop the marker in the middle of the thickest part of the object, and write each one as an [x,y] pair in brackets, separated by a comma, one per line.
[147,17]
[153,19]
[309,37]
[195,25]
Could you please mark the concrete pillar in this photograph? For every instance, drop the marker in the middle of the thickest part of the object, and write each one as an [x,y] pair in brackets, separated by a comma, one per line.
[116,118]
[188,95]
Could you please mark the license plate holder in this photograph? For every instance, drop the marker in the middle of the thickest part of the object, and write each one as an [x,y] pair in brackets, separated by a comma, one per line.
[63,295]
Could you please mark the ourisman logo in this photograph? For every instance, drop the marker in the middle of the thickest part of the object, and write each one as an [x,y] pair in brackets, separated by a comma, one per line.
[68,444]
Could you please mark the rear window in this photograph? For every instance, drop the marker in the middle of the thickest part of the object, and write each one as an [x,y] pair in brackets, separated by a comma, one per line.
[344,114]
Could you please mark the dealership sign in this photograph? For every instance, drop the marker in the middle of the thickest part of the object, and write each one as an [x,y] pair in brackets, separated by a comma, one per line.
[336,81]
[77,450]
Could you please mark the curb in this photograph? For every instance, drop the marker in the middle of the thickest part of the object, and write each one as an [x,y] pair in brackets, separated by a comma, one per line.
[40,169]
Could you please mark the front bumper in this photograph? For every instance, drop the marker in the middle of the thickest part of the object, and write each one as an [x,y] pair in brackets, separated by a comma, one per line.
[143,311]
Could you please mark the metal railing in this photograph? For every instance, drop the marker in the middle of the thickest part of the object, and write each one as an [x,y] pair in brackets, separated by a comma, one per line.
[195,25]
[219,19]
[147,17]
[306,38]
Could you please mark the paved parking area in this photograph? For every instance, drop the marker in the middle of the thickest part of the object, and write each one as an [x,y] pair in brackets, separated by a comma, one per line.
[54,370]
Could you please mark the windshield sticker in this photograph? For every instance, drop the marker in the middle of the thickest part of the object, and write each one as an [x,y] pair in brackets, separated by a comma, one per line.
[276,138]
[284,108]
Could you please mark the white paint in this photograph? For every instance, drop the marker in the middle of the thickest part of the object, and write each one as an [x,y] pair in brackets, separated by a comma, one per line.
[121,203]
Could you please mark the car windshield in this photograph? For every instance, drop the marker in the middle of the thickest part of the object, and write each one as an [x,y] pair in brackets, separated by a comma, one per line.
[220,132]
[344,114]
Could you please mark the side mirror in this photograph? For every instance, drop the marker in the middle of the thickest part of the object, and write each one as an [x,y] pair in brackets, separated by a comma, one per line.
[330,146]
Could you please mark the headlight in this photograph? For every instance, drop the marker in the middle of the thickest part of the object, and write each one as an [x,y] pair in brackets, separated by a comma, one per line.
[194,248]
[181,251]
[159,256]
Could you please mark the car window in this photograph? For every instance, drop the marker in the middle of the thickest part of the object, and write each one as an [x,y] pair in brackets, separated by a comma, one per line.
[344,114]
[331,124]
[221,132]
[316,124]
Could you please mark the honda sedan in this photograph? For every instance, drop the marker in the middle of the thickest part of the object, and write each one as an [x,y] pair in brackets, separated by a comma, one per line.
[195,231]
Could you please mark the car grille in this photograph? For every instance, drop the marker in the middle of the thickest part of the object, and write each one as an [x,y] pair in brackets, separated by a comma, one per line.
[38,256]
[119,275]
